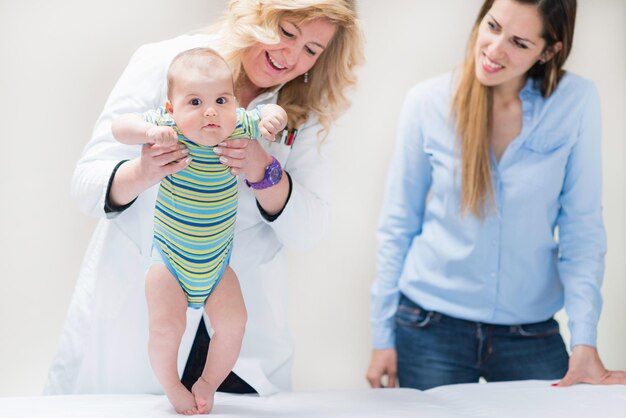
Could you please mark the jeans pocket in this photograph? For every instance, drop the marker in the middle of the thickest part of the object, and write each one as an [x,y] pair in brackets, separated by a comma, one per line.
[538,329]
[409,316]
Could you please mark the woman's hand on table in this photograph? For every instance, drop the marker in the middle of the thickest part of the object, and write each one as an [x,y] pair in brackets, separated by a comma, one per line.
[585,366]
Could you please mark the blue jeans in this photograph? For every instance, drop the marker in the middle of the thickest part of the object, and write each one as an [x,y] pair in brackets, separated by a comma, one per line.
[436,349]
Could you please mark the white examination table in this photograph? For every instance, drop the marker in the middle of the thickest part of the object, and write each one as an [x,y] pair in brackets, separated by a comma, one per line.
[499,400]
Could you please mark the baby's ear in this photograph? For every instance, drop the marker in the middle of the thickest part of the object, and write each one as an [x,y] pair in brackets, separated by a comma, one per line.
[168,106]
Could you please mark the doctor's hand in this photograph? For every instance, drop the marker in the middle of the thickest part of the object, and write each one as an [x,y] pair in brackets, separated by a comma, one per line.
[585,366]
[244,156]
[155,162]
[383,363]
[158,161]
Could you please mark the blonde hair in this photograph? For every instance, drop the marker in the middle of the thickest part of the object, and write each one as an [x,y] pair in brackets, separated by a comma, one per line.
[203,59]
[472,103]
[324,96]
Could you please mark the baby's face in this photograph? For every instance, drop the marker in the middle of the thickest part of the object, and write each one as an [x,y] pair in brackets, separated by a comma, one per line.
[204,105]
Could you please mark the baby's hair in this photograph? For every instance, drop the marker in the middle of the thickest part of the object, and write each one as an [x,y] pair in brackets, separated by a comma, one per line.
[202,59]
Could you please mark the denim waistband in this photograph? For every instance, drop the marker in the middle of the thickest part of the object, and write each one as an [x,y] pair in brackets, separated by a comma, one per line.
[424,316]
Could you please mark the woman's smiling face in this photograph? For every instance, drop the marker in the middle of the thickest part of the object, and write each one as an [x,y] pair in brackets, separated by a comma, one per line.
[299,48]
[509,43]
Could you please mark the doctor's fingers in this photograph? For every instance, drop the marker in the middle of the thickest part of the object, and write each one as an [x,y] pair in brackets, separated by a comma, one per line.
[231,153]
[175,167]
[154,168]
[162,155]
[235,143]
[154,150]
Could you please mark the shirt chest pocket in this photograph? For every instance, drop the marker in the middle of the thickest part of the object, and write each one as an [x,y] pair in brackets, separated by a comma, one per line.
[544,159]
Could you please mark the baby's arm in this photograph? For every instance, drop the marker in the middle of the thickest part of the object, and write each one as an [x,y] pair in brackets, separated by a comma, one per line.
[131,129]
[273,120]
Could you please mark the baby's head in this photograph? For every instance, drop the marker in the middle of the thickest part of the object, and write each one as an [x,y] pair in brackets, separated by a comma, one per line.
[201,96]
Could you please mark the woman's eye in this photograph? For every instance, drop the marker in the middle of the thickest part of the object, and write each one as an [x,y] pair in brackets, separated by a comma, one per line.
[491,25]
[195,102]
[310,51]
[285,33]
[520,44]
[221,100]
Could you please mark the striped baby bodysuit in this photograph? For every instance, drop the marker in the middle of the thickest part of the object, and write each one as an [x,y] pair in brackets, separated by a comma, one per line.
[195,211]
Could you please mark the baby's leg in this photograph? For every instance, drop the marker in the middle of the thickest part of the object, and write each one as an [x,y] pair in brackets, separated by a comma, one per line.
[228,316]
[167,309]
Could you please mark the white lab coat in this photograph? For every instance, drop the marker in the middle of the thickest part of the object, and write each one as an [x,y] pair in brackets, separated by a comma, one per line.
[103,347]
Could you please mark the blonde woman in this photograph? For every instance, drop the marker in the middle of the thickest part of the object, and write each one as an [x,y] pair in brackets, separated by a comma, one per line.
[299,54]
[507,149]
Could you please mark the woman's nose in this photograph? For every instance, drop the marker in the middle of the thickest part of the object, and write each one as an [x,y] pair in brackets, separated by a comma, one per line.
[496,48]
[290,54]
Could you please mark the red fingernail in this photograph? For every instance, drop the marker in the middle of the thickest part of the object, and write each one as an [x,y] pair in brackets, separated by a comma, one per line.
[554,384]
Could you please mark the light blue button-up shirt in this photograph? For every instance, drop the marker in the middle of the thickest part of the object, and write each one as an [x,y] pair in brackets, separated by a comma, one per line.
[540,247]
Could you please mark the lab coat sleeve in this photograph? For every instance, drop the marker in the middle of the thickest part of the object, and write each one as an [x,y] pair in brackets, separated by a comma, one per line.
[306,217]
[141,87]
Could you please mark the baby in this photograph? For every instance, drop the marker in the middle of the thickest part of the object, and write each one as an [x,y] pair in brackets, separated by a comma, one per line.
[194,219]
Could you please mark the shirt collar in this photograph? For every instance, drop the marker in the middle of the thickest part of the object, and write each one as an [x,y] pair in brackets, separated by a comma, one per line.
[268,96]
[270,92]
[531,88]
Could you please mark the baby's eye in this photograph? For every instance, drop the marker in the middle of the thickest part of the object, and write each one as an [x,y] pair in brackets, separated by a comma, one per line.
[195,102]
[221,100]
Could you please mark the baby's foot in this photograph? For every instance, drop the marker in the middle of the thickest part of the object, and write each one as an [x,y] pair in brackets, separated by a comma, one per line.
[182,400]
[203,393]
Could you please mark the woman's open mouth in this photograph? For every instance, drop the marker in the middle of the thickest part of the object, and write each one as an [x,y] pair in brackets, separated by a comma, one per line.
[273,63]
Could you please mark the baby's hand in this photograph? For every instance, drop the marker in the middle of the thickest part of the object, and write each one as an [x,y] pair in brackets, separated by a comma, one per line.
[161,135]
[273,121]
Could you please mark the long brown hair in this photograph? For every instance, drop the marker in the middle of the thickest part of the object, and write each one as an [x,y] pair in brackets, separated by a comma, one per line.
[324,95]
[472,103]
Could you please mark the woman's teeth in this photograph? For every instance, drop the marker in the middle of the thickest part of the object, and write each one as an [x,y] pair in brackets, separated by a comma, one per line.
[274,63]
[492,64]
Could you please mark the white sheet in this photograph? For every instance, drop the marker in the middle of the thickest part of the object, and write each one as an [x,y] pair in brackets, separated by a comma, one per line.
[498,400]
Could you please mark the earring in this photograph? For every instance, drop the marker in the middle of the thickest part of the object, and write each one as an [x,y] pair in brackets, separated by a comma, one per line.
[306,77]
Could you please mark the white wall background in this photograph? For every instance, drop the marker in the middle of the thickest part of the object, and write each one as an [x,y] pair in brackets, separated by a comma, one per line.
[58,61]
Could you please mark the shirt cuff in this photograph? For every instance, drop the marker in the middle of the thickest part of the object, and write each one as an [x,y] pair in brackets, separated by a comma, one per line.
[272,218]
[583,334]
[109,207]
[383,337]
